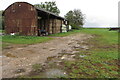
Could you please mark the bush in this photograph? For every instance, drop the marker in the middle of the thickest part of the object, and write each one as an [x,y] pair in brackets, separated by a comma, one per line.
[76,26]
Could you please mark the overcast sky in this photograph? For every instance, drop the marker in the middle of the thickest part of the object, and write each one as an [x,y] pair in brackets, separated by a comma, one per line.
[99,13]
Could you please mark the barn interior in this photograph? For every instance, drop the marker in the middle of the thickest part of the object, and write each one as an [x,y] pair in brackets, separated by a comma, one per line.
[49,23]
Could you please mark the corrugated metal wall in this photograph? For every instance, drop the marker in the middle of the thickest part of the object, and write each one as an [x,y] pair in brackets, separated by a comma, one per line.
[21,18]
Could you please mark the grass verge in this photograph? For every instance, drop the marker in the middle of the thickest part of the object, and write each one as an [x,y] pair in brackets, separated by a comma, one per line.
[24,39]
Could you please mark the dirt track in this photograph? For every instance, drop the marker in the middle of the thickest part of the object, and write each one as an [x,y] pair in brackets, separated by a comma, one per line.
[19,58]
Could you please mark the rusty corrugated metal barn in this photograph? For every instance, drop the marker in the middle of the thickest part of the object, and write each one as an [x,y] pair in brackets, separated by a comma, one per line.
[25,19]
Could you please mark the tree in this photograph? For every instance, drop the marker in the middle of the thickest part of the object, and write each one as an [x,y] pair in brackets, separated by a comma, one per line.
[75,18]
[49,6]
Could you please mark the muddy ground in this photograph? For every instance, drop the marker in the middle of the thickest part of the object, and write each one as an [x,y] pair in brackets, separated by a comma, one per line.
[18,60]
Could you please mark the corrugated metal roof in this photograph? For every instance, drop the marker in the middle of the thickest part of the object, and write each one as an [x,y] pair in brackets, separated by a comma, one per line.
[39,9]
[49,13]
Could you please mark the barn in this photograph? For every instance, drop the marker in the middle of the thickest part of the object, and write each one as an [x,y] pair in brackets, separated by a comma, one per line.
[24,19]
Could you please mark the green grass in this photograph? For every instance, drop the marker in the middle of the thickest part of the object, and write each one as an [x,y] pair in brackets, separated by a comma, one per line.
[2,31]
[24,39]
[106,36]
[36,67]
[33,39]
[101,62]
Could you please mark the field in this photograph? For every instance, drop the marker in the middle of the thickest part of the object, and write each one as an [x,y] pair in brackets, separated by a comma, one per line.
[100,60]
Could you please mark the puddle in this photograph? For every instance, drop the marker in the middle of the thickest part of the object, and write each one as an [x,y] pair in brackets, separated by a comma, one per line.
[75,52]
[2,56]
[53,73]
[82,55]
[19,48]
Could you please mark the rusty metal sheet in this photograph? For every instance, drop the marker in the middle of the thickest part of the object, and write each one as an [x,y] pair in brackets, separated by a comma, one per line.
[21,18]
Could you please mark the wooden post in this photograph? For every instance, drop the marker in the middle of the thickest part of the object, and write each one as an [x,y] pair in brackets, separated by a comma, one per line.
[52,26]
[61,27]
[48,24]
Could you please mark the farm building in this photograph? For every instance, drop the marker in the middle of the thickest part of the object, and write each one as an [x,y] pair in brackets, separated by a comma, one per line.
[25,19]
[115,28]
